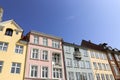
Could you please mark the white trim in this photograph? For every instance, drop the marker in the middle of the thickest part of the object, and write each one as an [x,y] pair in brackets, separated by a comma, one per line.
[41,72]
[30,71]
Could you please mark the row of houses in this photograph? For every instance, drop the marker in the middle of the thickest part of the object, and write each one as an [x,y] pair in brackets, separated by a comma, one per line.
[40,56]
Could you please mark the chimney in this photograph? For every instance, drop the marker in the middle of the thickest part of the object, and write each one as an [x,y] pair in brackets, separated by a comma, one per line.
[1,14]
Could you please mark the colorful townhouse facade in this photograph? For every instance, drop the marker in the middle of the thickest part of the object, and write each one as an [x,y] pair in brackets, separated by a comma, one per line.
[114,59]
[77,62]
[99,60]
[39,56]
[12,51]
[44,57]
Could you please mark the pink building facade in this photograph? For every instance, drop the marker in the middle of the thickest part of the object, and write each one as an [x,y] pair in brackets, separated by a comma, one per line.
[44,57]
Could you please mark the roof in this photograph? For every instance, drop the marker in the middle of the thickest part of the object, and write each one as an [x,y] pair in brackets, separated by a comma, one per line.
[45,35]
[89,44]
[12,21]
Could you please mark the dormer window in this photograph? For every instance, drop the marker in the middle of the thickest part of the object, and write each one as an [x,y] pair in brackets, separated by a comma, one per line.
[9,32]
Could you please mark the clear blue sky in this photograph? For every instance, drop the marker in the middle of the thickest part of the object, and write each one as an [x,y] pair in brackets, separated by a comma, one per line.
[74,20]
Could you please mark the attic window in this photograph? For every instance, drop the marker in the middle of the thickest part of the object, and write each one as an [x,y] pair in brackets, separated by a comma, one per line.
[9,32]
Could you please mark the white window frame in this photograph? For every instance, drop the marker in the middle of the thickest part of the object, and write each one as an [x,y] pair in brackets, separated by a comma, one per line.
[55,44]
[97,55]
[67,49]
[3,46]
[111,77]
[98,76]
[35,53]
[102,77]
[36,39]
[58,58]
[78,77]
[90,75]
[84,75]
[45,55]
[82,64]
[71,76]
[95,65]
[117,57]
[45,41]
[85,53]
[92,53]
[87,65]
[44,70]
[107,77]
[19,49]
[100,66]
[69,62]
[58,73]
[15,68]
[110,56]
[33,72]
[76,64]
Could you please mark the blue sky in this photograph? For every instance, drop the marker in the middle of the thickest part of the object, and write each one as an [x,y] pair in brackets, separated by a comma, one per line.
[74,20]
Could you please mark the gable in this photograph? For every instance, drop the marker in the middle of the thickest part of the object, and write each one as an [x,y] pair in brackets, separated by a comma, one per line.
[12,24]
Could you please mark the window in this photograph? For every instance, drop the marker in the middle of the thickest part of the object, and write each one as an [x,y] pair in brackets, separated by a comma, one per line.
[87,64]
[76,64]
[45,55]
[99,65]
[104,56]
[110,56]
[45,41]
[17,32]
[90,75]
[97,55]
[35,54]
[78,76]
[85,53]
[69,62]
[116,70]
[57,73]
[108,67]
[82,64]
[15,67]
[107,77]
[71,75]
[97,76]
[44,72]
[102,77]
[36,40]
[117,57]
[101,55]
[33,71]
[56,58]
[84,76]
[95,65]
[3,46]
[67,49]
[103,66]
[92,54]
[19,49]
[55,44]
[111,77]
[1,65]
[9,32]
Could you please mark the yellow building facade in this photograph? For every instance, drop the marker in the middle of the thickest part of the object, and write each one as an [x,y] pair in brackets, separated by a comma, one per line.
[100,65]
[12,51]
